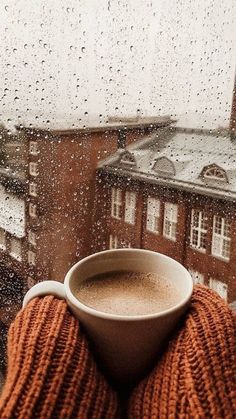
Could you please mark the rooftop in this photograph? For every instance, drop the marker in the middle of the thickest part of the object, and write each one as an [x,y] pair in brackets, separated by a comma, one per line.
[195,160]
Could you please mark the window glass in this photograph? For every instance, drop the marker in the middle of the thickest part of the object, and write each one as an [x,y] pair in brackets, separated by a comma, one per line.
[117,130]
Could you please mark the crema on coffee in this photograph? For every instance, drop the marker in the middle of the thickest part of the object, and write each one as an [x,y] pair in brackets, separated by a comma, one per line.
[127,293]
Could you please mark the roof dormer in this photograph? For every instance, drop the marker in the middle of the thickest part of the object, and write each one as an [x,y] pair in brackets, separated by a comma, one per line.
[164,167]
[214,173]
[128,159]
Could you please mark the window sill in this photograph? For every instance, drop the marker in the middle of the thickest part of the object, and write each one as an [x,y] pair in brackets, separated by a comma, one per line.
[221,258]
[198,249]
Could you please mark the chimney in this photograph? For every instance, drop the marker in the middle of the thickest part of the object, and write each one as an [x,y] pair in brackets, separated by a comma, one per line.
[121,141]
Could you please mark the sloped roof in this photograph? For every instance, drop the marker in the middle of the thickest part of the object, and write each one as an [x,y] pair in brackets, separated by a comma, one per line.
[190,151]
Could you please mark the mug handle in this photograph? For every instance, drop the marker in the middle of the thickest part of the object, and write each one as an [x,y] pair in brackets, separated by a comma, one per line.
[45,288]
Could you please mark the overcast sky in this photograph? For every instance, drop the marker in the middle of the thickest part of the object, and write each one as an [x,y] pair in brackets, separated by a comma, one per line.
[85,60]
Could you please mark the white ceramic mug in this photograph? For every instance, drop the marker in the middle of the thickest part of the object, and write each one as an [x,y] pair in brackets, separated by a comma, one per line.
[126,346]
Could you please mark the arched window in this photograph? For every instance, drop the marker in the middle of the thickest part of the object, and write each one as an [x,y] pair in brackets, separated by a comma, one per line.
[215,173]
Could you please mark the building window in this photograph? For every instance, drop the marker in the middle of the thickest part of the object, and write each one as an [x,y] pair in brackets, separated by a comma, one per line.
[33,169]
[215,173]
[170,220]
[33,189]
[153,215]
[116,203]
[220,287]
[31,258]
[2,239]
[130,206]
[113,242]
[198,234]
[32,210]
[33,147]
[221,237]
[197,277]
[32,237]
[15,250]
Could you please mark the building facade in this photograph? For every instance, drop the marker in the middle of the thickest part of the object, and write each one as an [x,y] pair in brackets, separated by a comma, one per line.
[169,193]
[47,189]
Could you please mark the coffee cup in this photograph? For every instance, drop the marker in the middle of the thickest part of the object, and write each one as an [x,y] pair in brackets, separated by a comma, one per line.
[126,347]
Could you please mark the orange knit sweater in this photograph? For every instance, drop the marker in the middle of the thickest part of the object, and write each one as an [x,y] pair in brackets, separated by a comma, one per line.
[52,374]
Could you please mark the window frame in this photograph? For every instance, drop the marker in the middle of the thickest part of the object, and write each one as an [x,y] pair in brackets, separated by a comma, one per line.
[152,219]
[33,189]
[130,210]
[31,259]
[33,169]
[116,203]
[17,256]
[33,148]
[221,237]
[32,210]
[32,237]
[113,239]
[173,222]
[198,229]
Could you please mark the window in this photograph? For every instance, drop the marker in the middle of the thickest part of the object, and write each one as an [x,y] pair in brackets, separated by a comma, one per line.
[215,173]
[198,234]
[33,147]
[113,242]
[33,189]
[197,277]
[170,221]
[31,258]
[116,203]
[33,169]
[221,237]
[32,210]
[32,237]
[130,204]
[220,287]
[15,249]
[2,239]
[153,215]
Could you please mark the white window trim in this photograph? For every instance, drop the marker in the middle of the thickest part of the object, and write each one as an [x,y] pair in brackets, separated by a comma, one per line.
[33,189]
[33,148]
[199,229]
[221,238]
[32,210]
[33,169]
[214,284]
[173,220]
[116,202]
[16,256]
[197,277]
[113,242]
[32,237]
[153,213]
[31,258]
[3,245]
[130,207]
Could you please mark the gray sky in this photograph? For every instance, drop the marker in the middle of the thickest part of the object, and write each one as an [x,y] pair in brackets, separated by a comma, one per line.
[85,60]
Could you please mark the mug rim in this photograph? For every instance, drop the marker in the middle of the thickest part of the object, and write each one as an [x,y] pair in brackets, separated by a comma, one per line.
[109,316]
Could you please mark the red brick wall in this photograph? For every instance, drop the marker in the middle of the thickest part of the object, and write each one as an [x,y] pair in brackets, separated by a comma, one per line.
[180,249]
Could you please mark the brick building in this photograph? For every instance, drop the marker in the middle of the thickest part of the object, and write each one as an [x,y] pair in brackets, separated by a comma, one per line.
[47,186]
[174,192]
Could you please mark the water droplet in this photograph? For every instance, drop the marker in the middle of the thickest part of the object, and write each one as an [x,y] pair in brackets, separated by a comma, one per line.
[83,49]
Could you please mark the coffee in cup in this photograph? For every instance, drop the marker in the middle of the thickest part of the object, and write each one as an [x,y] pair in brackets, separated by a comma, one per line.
[127,293]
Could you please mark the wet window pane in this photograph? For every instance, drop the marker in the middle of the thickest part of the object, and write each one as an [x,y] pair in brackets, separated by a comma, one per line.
[117,130]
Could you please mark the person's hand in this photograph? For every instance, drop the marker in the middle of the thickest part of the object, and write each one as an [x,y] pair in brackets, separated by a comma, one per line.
[51,372]
[195,377]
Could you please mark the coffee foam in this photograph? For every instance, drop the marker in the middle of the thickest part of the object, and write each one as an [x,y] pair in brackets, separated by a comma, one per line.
[127,293]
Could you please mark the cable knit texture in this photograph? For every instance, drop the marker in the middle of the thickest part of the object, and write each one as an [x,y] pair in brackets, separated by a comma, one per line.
[51,372]
[196,376]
